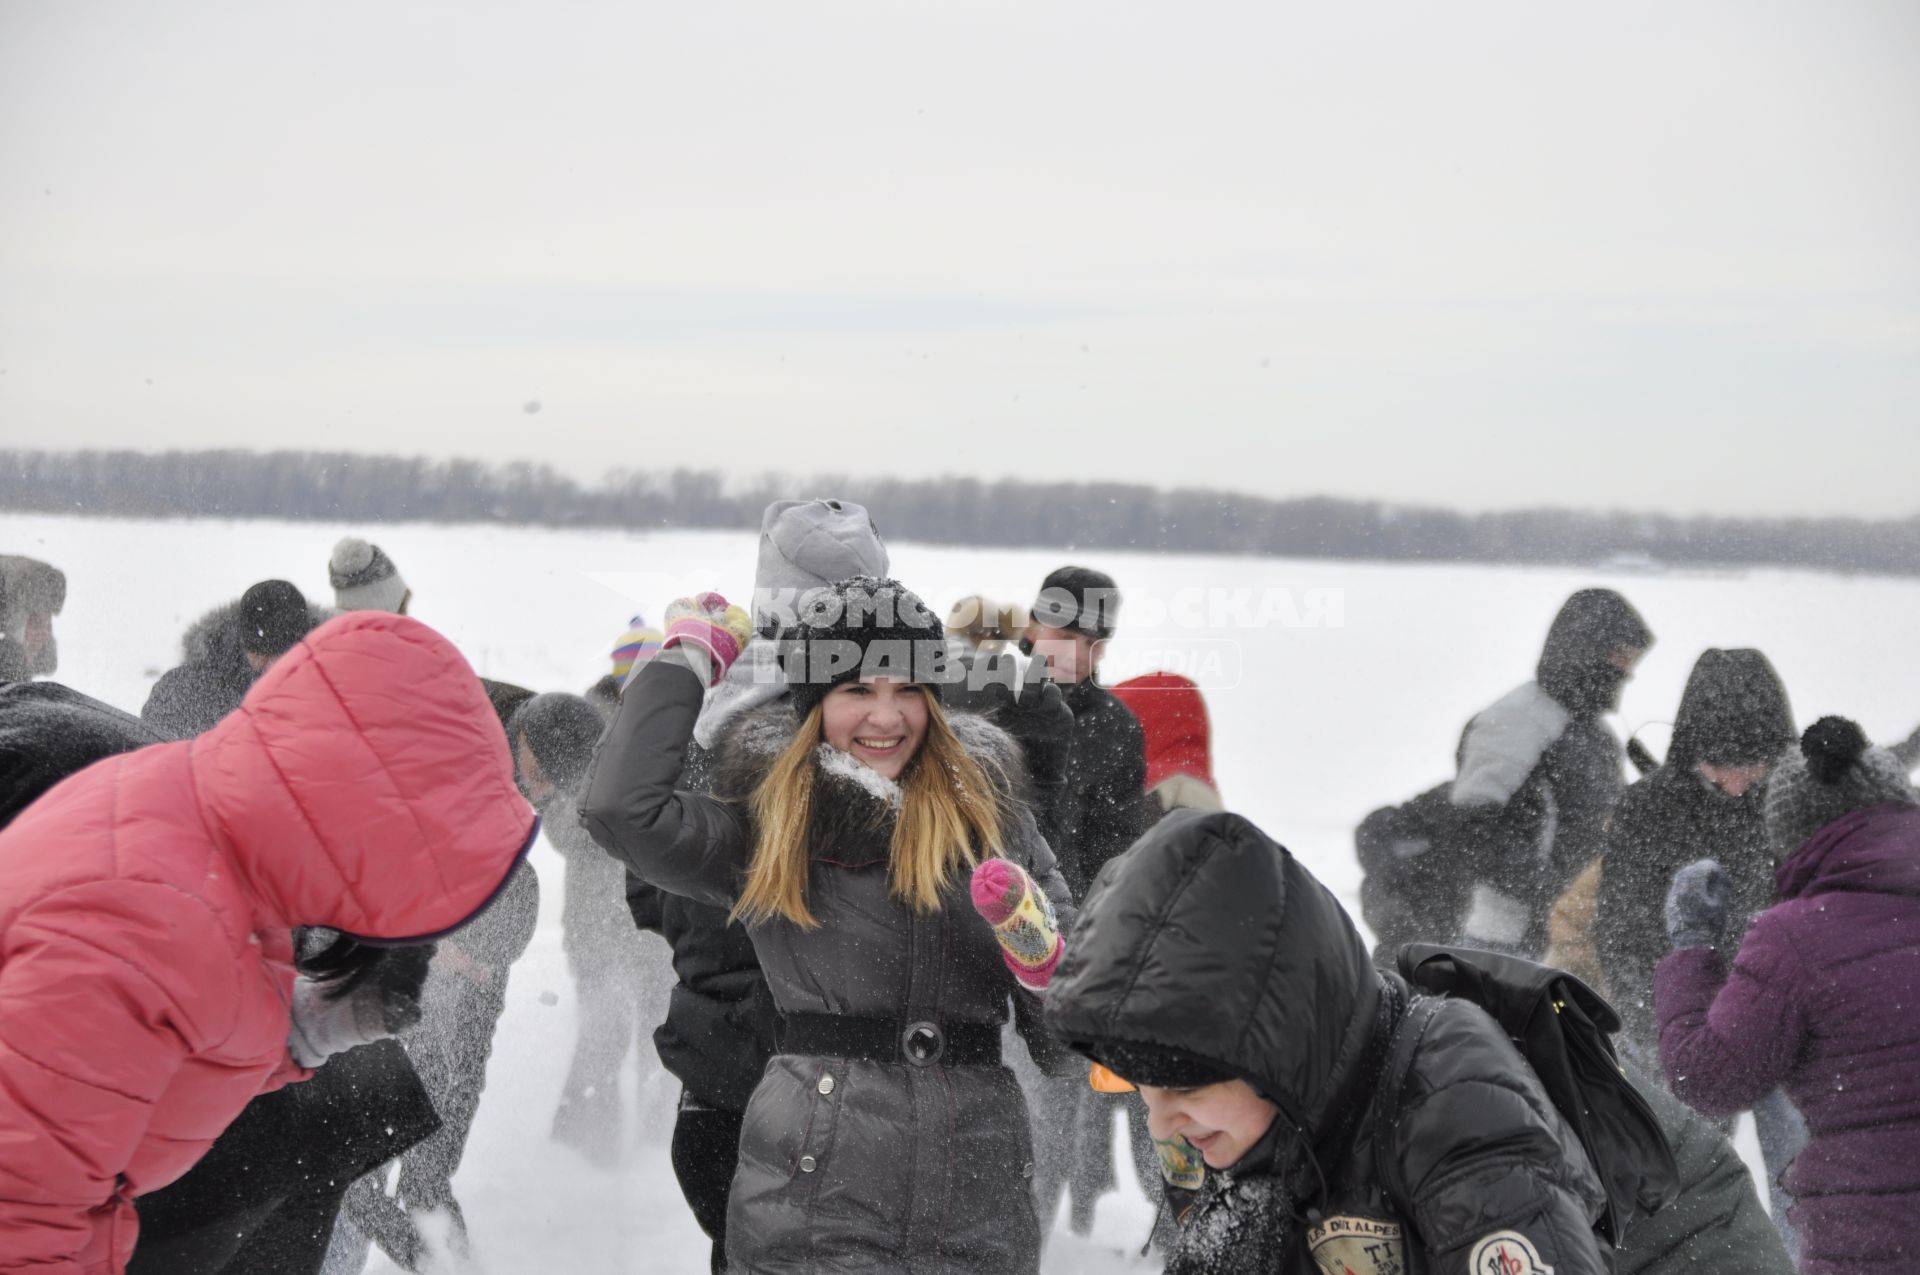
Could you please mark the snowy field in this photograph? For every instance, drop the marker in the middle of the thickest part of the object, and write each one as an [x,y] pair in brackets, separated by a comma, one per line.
[1350,694]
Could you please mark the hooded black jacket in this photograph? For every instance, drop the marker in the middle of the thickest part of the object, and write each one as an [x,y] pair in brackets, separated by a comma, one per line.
[1539,773]
[1209,942]
[1734,711]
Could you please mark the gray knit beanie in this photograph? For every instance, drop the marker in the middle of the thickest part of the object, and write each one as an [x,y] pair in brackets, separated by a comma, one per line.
[364,578]
[806,545]
[1832,773]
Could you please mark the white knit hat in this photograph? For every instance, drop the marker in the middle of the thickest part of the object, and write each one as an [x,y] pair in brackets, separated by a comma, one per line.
[364,578]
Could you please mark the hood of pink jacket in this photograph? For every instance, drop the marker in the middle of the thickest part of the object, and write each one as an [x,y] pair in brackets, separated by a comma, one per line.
[364,784]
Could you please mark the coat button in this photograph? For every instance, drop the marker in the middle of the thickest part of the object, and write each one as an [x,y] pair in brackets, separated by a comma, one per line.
[1026,1170]
[807,1164]
[826,1084]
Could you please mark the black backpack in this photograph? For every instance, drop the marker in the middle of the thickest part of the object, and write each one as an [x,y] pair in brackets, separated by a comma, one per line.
[1561,1027]
[1416,879]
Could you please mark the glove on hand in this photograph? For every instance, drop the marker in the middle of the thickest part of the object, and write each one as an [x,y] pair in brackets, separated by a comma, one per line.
[1697,905]
[1022,919]
[396,984]
[325,1024]
[1035,713]
[710,622]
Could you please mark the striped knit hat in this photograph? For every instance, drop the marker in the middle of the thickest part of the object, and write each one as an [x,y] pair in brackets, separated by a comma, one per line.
[640,643]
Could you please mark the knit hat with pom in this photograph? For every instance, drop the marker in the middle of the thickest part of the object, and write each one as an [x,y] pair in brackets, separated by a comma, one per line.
[1833,772]
[868,626]
[364,578]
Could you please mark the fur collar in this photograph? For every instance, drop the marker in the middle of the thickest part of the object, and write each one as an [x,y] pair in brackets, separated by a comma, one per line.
[747,750]
[214,639]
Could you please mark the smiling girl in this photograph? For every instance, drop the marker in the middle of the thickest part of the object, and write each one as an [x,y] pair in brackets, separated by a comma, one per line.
[845,823]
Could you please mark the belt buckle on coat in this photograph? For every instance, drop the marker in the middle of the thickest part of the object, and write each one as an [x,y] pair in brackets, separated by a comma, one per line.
[923,1044]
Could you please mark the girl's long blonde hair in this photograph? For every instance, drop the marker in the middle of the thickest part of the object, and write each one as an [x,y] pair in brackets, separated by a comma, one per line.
[949,819]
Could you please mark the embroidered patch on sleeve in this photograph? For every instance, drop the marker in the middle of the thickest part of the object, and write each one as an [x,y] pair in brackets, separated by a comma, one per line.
[1358,1246]
[1507,1253]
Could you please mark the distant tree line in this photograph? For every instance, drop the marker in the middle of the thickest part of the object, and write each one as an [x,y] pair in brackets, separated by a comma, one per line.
[340,487]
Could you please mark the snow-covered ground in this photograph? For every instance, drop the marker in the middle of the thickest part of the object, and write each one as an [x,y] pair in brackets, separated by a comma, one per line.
[1348,694]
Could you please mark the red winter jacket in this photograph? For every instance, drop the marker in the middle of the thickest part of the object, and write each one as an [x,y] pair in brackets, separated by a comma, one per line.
[1174,718]
[147,904]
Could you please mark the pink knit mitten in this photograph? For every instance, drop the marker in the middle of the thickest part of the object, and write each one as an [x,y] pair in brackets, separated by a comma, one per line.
[1022,920]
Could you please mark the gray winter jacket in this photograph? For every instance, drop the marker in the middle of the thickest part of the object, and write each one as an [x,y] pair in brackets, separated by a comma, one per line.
[1716,1226]
[845,1165]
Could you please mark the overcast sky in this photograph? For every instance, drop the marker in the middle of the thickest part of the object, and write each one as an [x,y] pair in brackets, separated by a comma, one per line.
[1479,254]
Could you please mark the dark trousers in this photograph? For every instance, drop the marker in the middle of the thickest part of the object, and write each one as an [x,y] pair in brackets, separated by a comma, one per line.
[1092,1175]
[263,1199]
[283,1236]
[706,1150]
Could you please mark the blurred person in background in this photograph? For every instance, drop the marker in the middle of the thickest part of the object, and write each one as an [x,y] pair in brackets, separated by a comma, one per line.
[980,624]
[365,579]
[1539,773]
[621,976]
[1179,739]
[31,594]
[1706,801]
[1073,617]
[225,651]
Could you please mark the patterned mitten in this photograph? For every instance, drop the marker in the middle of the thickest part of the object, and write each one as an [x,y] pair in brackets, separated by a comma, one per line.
[711,623]
[1022,919]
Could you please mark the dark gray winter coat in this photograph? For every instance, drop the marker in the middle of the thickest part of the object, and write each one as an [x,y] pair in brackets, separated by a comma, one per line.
[1208,942]
[1716,1226]
[845,1166]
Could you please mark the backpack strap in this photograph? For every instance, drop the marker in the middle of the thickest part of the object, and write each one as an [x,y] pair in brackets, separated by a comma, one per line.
[1386,1103]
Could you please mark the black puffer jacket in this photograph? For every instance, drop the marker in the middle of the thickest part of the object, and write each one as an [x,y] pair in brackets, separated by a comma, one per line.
[211,679]
[1106,802]
[1734,711]
[1209,941]
[846,1164]
[1539,773]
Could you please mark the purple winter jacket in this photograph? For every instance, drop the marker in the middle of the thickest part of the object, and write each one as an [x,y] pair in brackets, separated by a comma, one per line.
[1824,998]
